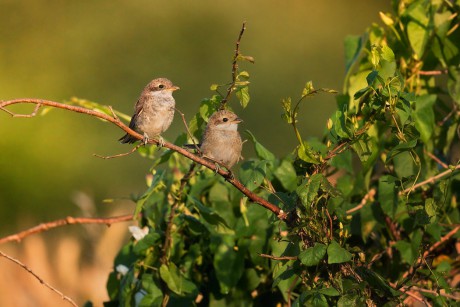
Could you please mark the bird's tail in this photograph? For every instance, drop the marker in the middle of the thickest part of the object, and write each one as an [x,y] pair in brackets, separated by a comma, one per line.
[127,138]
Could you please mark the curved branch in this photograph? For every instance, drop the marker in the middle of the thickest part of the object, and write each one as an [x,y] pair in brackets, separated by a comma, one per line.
[67,221]
[114,120]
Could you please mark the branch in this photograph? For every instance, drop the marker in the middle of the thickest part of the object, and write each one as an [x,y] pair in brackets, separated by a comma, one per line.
[363,202]
[234,68]
[22,265]
[279,258]
[430,180]
[449,235]
[210,165]
[67,221]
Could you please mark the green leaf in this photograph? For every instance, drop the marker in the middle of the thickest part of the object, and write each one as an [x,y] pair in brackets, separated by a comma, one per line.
[252,173]
[402,147]
[329,291]
[242,93]
[405,249]
[424,116]
[305,153]
[212,218]
[340,127]
[229,266]
[286,174]
[417,31]
[353,48]
[308,189]
[153,188]
[262,152]
[175,281]
[337,254]
[376,281]
[453,84]
[313,255]
[388,196]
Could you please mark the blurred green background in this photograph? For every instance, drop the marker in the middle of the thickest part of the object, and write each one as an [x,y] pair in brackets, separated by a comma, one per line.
[107,51]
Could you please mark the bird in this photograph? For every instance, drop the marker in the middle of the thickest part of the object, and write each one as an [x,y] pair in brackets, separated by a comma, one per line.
[221,141]
[153,112]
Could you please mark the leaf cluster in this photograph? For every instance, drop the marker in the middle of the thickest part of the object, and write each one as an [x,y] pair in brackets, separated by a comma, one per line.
[371,202]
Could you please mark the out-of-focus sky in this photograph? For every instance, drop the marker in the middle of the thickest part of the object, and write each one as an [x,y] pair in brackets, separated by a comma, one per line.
[107,51]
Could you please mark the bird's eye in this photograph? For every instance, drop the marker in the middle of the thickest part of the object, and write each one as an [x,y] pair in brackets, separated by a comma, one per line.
[225,119]
[161,86]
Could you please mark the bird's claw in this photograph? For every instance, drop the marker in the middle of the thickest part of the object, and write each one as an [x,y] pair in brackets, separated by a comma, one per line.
[161,141]
[145,139]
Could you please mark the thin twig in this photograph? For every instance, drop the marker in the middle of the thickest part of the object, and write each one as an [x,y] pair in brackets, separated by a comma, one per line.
[188,131]
[22,265]
[437,293]
[449,235]
[200,160]
[234,69]
[135,148]
[430,180]
[436,159]
[66,221]
[433,72]
[369,195]
[279,258]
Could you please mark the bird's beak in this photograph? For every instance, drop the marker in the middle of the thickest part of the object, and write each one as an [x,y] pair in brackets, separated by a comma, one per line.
[173,88]
[238,120]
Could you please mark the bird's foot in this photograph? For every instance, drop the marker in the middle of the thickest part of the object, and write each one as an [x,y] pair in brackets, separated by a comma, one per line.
[161,141]
[145,139]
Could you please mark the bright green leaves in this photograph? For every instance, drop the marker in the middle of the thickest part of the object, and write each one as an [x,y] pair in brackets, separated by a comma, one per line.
[228,263]
[290,114]
[418,28]
[252,173]
[313,255]
[424,116]
[262,152]
[308,190]
[176,281]
[337,254]
[388,195]
[242,88]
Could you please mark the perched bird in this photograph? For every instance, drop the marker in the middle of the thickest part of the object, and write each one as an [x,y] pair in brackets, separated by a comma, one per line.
[221,141]
[154,111]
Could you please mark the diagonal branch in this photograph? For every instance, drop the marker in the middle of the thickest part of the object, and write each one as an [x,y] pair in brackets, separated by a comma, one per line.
[114,120]
[22,265]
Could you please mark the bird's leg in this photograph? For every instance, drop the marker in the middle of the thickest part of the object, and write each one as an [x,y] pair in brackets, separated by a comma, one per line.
[145,139]
[161,141]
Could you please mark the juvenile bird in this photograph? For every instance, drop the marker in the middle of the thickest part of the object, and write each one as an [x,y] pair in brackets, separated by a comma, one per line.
[154,111]
[221,141]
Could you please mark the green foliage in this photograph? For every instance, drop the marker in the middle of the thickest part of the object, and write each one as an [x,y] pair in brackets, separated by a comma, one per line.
[365,204]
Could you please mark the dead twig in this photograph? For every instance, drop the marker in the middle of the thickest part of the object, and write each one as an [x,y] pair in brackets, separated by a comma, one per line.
[22,265]
[231,87]
[279,258]
[369,195]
